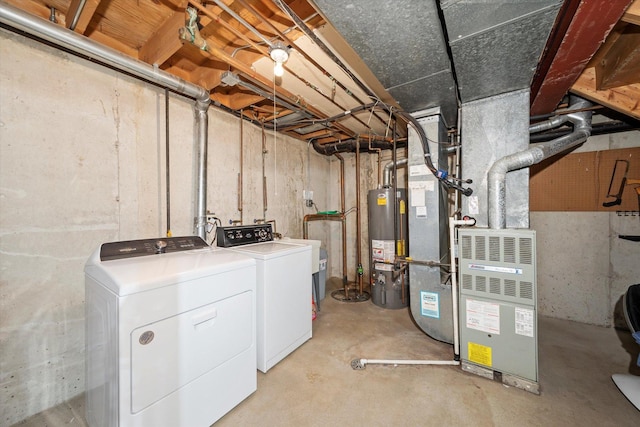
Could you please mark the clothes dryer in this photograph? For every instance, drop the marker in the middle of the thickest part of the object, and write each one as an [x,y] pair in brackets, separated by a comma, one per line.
[170,333]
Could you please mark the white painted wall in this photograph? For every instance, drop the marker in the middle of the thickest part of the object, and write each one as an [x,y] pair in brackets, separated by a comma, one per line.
[82,163]
[583,267]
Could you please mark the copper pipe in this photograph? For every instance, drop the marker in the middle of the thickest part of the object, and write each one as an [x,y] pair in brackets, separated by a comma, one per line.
[241,173]
[358,218]
[319,217]
[344,227]
[264,176]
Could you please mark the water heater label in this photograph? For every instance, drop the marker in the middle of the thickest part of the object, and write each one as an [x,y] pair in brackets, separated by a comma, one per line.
[483,316]
[383,250]
[382,199]
[383,267]
[429,304]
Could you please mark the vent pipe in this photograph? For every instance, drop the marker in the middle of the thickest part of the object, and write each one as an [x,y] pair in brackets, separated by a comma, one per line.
[388,168]
[535,154]
[85,47]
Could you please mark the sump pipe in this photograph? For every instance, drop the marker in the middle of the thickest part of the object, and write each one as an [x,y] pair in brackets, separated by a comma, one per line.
[80,45]
[535,154]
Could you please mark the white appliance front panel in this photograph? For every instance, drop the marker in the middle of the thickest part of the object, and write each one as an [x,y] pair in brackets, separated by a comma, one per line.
[228,291]
[168,354]
[283,299]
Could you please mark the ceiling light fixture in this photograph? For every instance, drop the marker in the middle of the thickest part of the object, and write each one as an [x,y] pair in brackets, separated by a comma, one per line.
[279,53]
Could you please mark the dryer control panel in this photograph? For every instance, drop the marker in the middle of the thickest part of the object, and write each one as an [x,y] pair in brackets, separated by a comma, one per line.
[161,245]
[239,235]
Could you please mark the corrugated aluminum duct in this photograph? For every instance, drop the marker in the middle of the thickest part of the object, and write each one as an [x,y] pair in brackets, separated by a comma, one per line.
[535,154]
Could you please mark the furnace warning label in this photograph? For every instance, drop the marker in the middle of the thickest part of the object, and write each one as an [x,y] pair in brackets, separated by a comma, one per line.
[429,304]
[483,316]
[479,354]
[524,322]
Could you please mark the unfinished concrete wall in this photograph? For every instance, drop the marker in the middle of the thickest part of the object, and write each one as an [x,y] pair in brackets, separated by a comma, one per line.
[583,267]
[82,162]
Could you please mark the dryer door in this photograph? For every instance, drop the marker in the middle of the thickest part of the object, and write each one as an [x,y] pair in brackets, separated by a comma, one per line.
[172,352]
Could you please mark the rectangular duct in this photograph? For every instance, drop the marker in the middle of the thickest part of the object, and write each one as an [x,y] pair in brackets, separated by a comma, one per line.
[430,297]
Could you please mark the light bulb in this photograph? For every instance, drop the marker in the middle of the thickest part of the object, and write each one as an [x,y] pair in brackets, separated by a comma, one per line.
[278,69]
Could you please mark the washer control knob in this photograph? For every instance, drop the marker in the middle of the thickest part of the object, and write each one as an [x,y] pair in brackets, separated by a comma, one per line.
[161,246]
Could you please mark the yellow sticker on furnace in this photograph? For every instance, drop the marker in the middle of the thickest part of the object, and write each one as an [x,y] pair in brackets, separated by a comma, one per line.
[382,199]
[480,354]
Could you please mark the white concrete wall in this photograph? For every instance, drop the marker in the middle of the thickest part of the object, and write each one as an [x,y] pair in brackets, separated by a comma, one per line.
[583,267]
[81,163]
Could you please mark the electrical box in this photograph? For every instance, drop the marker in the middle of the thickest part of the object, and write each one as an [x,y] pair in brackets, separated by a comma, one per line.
[498,305]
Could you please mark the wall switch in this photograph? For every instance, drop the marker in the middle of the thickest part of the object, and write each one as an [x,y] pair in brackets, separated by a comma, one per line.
[307,194]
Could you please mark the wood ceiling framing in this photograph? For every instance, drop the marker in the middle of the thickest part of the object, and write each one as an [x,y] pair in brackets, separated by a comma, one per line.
[148,30]
[314,87]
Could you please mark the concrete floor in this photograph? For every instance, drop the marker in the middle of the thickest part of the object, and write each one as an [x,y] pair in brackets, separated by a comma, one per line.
[316,386]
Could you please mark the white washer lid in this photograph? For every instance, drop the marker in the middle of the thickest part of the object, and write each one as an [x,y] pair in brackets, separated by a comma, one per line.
[144,273]
[268,250]
[315,250]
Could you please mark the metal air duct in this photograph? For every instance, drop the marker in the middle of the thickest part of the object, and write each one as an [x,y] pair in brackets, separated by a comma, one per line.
[535,154]
[80,45]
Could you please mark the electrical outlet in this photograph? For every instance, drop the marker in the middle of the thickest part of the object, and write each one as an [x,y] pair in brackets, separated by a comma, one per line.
[307,194]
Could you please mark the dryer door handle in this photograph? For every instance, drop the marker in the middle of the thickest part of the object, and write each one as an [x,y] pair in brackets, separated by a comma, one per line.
[203,317]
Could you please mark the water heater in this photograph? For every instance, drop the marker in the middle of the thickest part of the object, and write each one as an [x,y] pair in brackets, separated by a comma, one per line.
[387,238]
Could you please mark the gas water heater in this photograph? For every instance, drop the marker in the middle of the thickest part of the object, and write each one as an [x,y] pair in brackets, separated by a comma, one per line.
[387,238]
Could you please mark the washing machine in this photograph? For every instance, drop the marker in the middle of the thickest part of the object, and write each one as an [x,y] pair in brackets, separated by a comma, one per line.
[283,293]
[170,332]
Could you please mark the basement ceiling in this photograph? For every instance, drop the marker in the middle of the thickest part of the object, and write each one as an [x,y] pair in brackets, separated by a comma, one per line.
[383,55]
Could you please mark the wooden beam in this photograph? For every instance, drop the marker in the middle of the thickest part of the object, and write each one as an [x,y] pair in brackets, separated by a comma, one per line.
[208,78]
[241,101]
[632,15]
[620,65]
[236,101]
[590,25]
[625,99]
[86,14]
[113,43]
[165,42]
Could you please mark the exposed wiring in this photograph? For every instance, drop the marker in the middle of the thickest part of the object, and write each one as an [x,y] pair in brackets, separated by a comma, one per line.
[212,225]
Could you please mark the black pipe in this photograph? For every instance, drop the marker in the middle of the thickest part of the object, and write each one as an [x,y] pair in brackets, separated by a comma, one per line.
[604,128]
[349,146]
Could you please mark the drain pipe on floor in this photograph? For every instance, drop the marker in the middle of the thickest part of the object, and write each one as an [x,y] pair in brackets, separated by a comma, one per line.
[359,364]
[85,47]
[535,154]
